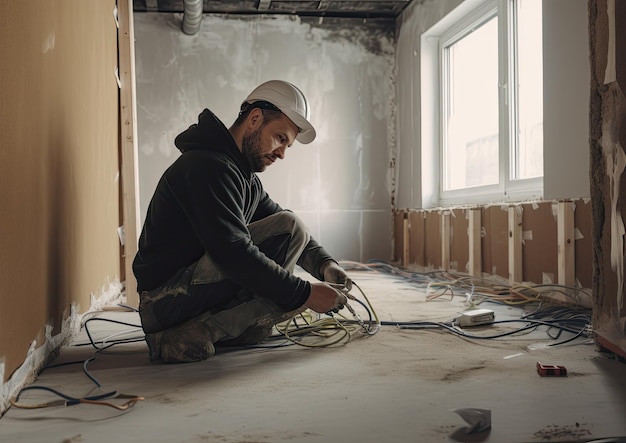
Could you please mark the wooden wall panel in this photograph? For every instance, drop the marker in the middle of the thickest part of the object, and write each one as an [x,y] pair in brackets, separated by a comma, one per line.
[540,246]
[432,239]
[539,253]
[416,244]
[459,243]
[495,221]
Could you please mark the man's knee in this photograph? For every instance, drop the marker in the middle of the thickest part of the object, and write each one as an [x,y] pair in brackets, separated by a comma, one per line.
[284,222]
[296,226]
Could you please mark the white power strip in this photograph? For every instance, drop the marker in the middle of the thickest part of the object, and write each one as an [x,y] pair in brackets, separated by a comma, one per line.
[476,317]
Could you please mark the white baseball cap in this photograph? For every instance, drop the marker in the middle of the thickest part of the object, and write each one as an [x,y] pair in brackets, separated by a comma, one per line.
[290,101]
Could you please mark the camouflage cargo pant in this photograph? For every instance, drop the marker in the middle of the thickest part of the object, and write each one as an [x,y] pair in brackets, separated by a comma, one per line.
[201,291]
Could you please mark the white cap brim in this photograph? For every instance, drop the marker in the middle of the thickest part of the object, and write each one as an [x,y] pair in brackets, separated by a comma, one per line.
[307,131]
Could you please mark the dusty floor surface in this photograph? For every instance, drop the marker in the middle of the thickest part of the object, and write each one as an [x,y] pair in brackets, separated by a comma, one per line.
[399,385]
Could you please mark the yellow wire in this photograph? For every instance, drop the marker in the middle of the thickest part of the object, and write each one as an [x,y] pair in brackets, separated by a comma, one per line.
[326,328]
[329,324]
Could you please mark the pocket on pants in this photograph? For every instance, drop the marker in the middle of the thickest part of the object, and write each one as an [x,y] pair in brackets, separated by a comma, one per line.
[206,272]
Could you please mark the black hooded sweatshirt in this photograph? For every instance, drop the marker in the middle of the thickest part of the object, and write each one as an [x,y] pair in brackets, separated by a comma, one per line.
[203,204]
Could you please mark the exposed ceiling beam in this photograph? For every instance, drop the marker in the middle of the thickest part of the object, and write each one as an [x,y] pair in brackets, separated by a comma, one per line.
[362,9]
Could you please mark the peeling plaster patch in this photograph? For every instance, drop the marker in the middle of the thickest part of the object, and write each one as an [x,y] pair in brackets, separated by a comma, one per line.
[37,357]
[22,375]
[111,294]
[377,39]
[615,165]
[610,74]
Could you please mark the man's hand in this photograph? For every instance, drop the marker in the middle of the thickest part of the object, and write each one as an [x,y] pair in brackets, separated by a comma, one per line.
[333,273]
[323,298]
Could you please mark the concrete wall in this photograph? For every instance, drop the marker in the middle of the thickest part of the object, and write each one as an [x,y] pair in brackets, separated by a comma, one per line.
[59,187]
[340,184]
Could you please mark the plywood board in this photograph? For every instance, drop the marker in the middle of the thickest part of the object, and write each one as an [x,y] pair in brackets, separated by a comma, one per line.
[459,242]
[582,243]
[416,238]
[495,241]
[432,239]
[540,246]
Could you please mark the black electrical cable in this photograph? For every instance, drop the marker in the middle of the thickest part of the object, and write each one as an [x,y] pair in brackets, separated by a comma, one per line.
[69,399]
[93,343]
[530,324]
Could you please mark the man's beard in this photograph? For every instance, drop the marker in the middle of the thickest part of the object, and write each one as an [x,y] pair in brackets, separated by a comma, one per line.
[251,149]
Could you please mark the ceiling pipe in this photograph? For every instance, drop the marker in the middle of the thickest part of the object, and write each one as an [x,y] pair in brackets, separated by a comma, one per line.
[192,17]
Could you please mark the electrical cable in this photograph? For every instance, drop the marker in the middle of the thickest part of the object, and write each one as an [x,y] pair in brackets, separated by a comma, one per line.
[451,327]
[335,328]
[67,400]
[477,289]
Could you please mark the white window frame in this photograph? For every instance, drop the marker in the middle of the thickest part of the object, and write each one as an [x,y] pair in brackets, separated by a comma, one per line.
[448,29]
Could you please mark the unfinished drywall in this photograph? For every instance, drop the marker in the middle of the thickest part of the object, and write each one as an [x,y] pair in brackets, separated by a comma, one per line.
[521,243]
[607,29]
[59,188]
[495,240]
[340,184]
[459,240]
[539,243]
[566,98]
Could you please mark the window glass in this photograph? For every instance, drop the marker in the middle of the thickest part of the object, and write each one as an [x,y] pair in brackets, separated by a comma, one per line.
[471,109]
[529,158]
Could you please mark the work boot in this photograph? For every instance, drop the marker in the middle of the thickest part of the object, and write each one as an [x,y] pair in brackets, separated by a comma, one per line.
[194,340]
[251,336]
[262,328]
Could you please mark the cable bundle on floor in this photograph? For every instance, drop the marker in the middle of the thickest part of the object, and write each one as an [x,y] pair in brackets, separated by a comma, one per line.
[473,291]
[332,328]
[102,399]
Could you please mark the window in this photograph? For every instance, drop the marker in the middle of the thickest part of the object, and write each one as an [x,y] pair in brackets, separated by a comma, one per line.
[490,105]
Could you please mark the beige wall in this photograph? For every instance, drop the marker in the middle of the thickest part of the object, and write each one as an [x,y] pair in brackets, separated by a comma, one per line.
[59,187]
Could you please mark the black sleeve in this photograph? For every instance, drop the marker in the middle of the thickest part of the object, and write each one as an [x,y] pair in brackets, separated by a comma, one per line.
[212,194]
[312,258]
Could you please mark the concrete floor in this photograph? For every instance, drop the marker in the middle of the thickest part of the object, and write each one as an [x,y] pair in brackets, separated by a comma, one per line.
[398,385]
